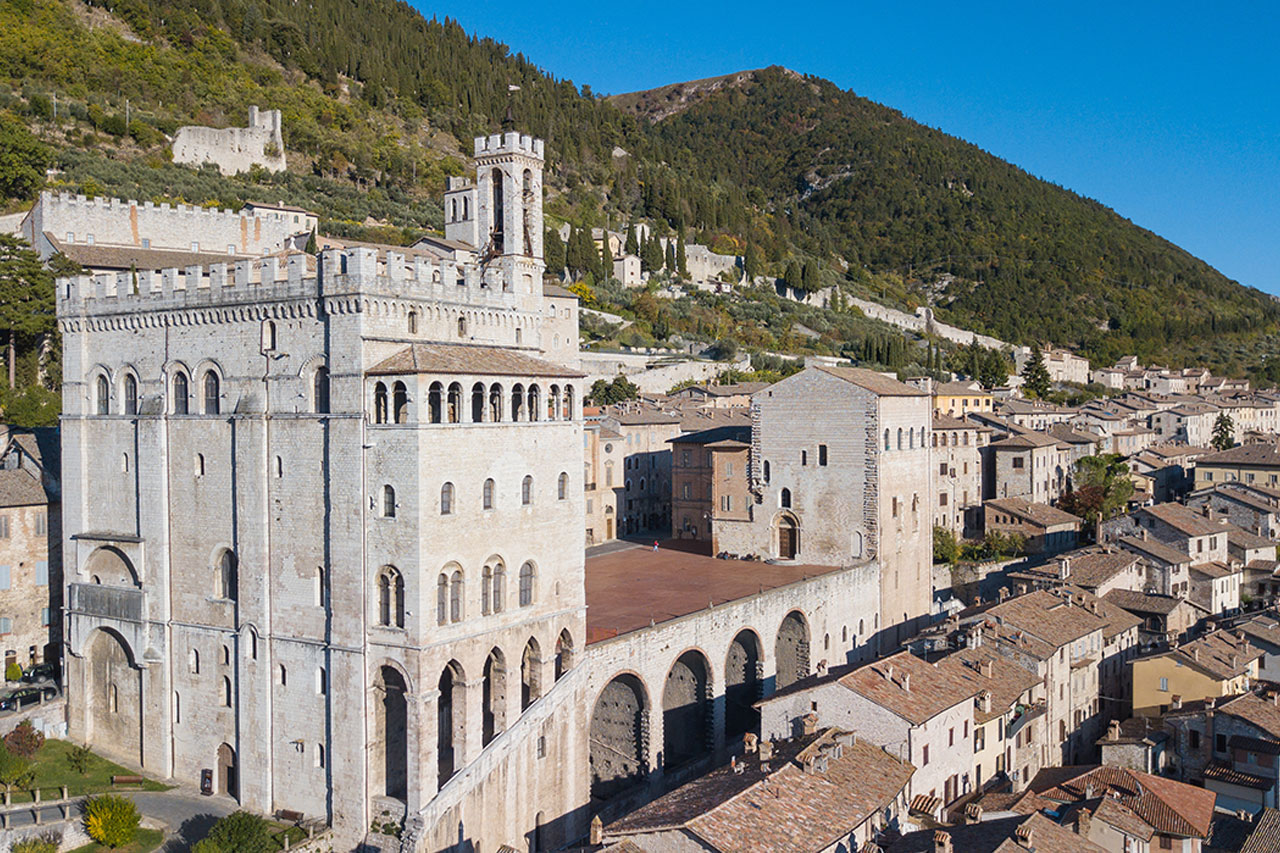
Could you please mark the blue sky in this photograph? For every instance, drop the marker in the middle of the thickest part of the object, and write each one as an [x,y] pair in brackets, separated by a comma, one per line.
[1167,112]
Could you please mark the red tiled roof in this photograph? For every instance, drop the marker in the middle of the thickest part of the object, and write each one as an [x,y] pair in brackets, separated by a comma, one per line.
[1170,807]
[465,358]
[910,687]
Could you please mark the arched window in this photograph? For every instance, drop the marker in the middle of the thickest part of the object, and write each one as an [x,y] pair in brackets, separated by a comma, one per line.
[785,499]
[212,393]
[486,584]
[413,315]
[553,403]
[526,490]
[400,403]
[455,403]
[886,439]
[269,335]
[455,597]
[102,398]
[488,494]
[284,676]
[477,402]
[935,440]
[442,600]
[391,597]
[453,210]
[535,396]
[526,584]
[766,471]
[517,402]
[226,655]
[435,405]
[566,408]
[181,396]
[388,502]
[966,439]
[130,395]
[495,403]
[193,662]
[380,403]
[320,390]
[899,438]
[198,465]
[226,692]
[227,580]
[462,327]
[564,653]
[446,499]
[499,586]
[562,486]
[319,761]
[911,438]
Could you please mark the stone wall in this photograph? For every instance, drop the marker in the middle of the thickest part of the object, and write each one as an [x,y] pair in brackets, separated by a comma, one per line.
[234,149]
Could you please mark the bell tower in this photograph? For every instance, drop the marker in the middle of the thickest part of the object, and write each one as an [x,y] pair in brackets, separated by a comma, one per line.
[509,195]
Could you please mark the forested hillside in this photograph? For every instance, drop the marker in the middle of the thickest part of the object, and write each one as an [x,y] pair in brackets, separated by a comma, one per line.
[379,106]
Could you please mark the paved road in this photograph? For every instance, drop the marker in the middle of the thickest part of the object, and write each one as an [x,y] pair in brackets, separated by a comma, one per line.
[185,814]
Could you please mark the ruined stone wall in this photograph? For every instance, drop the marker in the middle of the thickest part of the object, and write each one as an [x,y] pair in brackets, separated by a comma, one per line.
[234,149]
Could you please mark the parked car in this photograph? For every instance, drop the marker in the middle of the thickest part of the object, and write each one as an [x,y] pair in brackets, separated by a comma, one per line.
[48,671]
[24,696]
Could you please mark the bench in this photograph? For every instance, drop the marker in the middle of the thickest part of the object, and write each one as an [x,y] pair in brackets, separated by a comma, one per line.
[289,816]
[128,780]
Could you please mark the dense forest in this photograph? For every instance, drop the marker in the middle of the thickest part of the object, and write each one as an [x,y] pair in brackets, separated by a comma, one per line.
[808,182]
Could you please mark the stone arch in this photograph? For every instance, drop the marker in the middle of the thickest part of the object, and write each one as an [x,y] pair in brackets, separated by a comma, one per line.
[791,650]
[686,710]
[228,771]
[114,693]
[619,736]
[451,715]
[742,683]
[494,696]
[564,653]
[390,757]
[787,537]
[530,673]
[109,566]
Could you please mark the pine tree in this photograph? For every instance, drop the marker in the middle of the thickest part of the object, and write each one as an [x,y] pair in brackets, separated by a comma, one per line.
[1224,432]
[27,301]
[1036,374]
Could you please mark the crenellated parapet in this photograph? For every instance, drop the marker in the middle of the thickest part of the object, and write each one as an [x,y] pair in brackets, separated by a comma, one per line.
[508,143]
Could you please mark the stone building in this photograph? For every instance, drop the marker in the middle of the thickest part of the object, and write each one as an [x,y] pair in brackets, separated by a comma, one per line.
[957,483]
[234,149]
[30,548]
[709,481]
[1029,465]
[644,502]
[322,532]
[840,473]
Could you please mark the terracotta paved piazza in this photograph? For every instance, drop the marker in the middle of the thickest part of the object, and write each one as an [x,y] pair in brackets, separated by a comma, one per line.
[627,589]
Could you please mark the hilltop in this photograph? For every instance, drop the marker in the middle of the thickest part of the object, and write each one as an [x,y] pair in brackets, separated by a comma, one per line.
[784,168]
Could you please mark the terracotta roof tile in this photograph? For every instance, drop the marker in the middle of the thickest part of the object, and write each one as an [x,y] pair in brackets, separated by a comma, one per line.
[1170,807]
[999,836]
[1265,837]
[19,487]
[910,687]
[465,358]
[1052,618]
[1253,455]
[876,383]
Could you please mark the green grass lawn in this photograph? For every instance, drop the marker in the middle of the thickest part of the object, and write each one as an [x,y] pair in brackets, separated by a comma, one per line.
[53,770]
[144,842]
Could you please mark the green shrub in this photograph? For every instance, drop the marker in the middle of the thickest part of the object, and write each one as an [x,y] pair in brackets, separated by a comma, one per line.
[15,771]
[13,671]
[241,832]
[78,757]
[111,819]
[35,845]
[24,740]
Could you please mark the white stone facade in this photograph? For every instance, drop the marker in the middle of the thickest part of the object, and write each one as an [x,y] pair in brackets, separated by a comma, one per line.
[323,534]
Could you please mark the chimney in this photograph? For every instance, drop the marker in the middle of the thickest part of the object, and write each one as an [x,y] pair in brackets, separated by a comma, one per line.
[906,681]
[984,701]
[973,813]
[1142,534]
[1024,835]
[1004,593]
[1195,654]
[941,841]
[1275,697]
[1084,821]
[1176,702]
[597,832]
[1113,730]
[987,668]
[750,741]
[1064,568]
[888,671]
[809,723]
[766,750]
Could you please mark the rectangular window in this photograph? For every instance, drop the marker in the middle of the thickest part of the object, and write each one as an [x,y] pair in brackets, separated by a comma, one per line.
[6,625]
[44,617]
[804,457]
[942,469]
[590,504]
[684,458]
[1017,462]
[728,469]
[951,736]
[4,527]
[942,499]
[822,454]
[42,523]
[895,507]
[42,573]
[1164,684]
[1220,743]
[924,755]
[4,577]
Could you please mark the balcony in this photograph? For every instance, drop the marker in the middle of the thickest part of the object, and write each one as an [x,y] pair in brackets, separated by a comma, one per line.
[107,602]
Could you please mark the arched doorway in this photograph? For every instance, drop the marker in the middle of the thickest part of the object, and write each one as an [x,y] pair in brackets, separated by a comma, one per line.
[619,742]
[392,734]
[791,651]
[686,711]
[741,685]
[788,538]
[114,718]
[450,720]
[228,773]
[495,696]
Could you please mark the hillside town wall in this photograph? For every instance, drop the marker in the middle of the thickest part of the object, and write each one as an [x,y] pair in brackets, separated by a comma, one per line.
[234,149]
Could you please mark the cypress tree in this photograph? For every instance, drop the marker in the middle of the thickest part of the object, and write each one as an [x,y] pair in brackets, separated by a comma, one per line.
[681,265]
[670,260]
[606,258]
[632,247]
